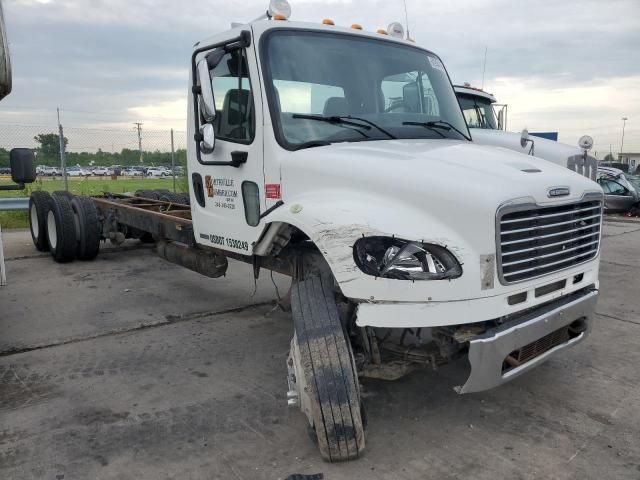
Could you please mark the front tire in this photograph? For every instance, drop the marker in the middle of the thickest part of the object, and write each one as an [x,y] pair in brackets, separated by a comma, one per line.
[331,391]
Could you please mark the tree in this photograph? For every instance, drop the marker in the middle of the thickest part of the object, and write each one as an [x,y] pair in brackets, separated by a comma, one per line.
[609,158]
[49,144]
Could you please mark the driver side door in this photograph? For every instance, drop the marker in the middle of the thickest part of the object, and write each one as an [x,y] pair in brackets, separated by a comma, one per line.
[228,177]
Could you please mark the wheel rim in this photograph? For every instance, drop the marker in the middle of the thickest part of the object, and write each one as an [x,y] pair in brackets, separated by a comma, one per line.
[33,217]
[52,230]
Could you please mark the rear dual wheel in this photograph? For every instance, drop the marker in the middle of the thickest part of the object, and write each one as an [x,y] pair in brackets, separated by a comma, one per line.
[87,228]
[326,381]
[38,209]
[64,224]
[61,230]
[179,198]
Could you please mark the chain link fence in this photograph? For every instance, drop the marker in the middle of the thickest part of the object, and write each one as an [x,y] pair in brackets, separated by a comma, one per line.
[93,147]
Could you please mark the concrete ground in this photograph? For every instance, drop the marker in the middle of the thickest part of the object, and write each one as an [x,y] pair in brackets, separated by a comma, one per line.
[132,368]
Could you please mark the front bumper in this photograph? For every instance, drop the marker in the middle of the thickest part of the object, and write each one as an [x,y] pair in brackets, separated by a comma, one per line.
[487,352]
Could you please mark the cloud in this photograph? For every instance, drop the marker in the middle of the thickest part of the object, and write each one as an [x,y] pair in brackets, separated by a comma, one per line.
[564,66]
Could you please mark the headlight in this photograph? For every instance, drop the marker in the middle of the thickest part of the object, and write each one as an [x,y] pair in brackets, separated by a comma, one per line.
[404,260]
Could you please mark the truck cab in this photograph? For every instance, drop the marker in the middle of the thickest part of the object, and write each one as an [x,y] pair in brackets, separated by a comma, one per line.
[344,154]
[487,121]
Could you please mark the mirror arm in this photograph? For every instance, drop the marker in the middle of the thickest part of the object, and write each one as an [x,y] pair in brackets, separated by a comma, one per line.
[18,186]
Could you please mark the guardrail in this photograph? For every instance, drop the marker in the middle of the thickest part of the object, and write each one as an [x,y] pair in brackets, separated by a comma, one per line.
[8,204]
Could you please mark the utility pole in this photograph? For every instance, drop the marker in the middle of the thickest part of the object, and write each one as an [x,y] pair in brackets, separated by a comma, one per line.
[139,128]
[173,163]
[484,67]
[624,122]
[63,161]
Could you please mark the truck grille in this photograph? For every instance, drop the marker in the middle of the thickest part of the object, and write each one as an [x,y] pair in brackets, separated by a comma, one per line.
[533,242]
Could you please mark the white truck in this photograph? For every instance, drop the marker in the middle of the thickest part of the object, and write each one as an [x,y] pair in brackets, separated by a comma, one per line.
[487,128]
[341,157]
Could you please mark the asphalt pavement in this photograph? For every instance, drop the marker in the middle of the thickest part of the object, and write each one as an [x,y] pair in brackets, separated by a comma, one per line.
[129,367]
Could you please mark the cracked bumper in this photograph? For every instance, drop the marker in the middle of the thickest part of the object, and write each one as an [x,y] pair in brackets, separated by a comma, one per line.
[488,351]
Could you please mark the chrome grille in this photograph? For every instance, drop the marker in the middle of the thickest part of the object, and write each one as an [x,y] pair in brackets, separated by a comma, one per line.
[535,241]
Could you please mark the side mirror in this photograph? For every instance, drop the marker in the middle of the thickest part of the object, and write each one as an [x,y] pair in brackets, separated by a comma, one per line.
[208,138]
[207,103]
[411,97]
[22,162]
[524,138]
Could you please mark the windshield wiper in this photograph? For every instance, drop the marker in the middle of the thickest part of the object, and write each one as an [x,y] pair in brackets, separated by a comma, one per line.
[374,125]
[312,143]
[441,124]
[335,121]
[345,120]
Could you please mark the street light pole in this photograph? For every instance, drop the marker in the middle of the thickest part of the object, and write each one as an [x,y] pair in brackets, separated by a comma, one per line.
[624,121]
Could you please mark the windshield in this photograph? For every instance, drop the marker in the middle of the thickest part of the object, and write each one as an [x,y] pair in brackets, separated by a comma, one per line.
[478,112]
[635,181]
[343,88]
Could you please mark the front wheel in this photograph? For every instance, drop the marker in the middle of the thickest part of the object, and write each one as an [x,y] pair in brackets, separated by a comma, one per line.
[323,379]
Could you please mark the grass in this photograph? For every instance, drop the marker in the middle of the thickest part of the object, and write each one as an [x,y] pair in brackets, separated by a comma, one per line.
[81,186]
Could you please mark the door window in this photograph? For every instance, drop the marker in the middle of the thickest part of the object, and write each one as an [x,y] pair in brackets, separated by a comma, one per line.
[235,115]
[612,188]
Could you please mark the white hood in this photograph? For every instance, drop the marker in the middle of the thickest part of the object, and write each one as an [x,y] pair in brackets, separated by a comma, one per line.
[445,192]
[435,170]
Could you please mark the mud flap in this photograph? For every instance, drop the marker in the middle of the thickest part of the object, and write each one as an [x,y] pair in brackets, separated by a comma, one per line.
[488,352]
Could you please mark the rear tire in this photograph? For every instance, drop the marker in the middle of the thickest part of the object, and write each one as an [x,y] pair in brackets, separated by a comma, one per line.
[171,197]
[332,392]
[88,228]
[149,194]
[63,193]
[38,208]
[61,230]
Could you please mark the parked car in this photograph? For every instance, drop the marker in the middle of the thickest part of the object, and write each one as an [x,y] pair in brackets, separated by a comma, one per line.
[621,190]
[76,172]
[51,171]
[131,172]
[158,172]
[618,165]
[101,171]
[5,171]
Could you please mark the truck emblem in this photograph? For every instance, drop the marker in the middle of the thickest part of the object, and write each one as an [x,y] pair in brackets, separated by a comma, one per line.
[558,192]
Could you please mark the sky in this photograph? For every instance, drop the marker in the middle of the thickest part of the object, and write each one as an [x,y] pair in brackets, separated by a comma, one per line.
[560,65]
